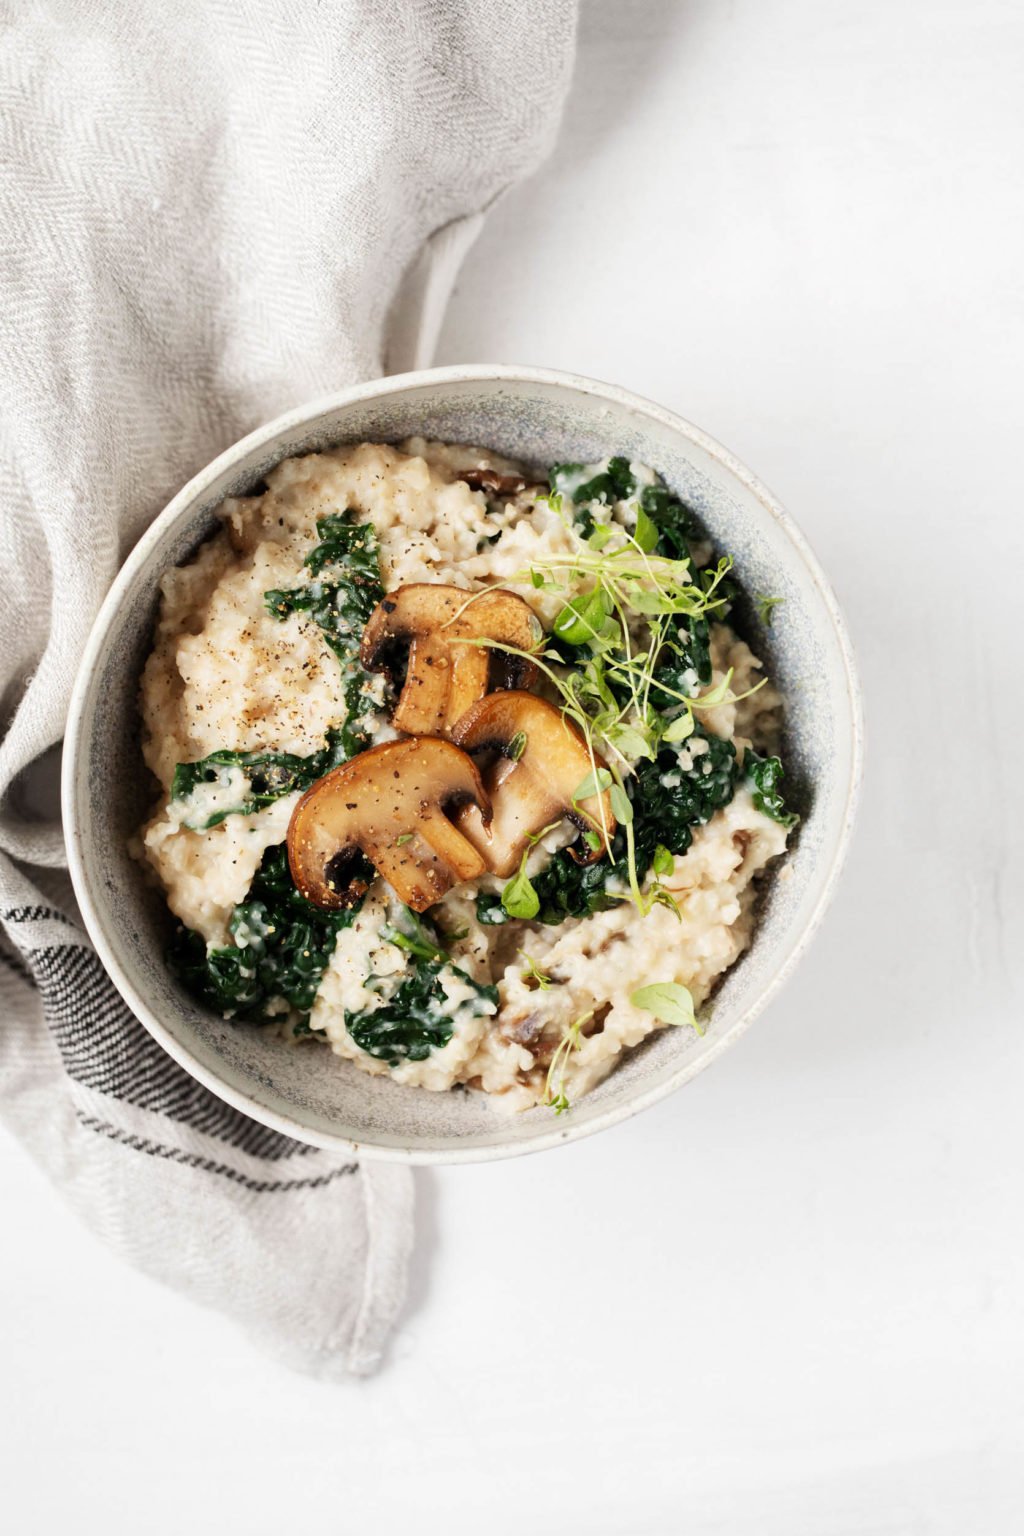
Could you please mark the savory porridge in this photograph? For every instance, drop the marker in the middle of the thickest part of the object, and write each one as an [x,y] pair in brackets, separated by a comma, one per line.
[463,774]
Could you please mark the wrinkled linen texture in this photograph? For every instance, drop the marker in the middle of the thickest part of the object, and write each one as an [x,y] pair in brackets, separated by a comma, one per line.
[209,212]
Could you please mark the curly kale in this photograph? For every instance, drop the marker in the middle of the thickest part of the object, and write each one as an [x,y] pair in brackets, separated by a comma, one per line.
[567,889]
[268,776]
[417,1018]
[689,649]
[613,483]
[765,775]
[665,811]
[282,945]
[345,589]
[685,654]
[677,526]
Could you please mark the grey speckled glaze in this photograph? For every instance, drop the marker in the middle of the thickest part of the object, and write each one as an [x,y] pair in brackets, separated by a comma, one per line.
[540,417]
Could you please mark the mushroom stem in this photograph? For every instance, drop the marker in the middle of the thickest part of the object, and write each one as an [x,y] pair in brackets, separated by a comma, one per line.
[450,846]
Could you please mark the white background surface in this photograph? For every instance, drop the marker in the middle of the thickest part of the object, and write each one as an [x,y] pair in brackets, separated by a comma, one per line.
[790,1301]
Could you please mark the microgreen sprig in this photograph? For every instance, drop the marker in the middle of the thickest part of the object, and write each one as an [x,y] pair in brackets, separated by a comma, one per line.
[519,897]
[618,625]
[533,976]
[569,1042]
[766,607]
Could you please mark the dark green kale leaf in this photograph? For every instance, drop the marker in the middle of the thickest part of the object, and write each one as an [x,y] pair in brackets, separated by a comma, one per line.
[345,589]
[416,1019]
[283,944]
[567,889]
[765,775]
[676,524]
[270,775]
[359,706]
[614,483]
[667,813]
[489,910]
[687,649]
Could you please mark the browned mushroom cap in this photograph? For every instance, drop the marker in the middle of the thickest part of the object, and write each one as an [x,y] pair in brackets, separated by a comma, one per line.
[531,782]
[444,675]
[391,802]
[491,480]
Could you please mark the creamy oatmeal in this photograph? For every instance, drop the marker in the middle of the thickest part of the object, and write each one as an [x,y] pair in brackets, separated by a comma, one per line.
[465,775]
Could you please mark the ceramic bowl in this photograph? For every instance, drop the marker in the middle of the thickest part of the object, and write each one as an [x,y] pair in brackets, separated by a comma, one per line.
[540,417]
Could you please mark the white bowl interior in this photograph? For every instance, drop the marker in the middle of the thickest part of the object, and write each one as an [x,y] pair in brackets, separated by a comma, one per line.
[542,419]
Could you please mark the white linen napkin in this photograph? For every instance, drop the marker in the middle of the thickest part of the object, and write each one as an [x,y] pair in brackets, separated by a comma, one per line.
[209,212]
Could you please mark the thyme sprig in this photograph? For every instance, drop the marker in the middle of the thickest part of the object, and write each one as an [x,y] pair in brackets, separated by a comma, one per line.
[569,1043]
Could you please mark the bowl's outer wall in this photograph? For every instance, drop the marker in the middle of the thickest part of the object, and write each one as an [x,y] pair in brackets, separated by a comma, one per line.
[542,419]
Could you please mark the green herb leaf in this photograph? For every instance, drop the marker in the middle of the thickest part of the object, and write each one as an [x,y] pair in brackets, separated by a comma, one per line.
[680,728]
[517,746]
[582,619]
[622,810]
[519,897]
[716,695]
[668,1001]
[646,531]
[595,783]
[663,862]
[569,1042]
[532,974]
[651,603]
[533,838]
[660,897]
[766,607]
[417,936]
[630,742]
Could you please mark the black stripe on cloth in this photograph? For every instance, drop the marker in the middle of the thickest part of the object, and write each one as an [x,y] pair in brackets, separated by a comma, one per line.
[193,1160]
[34,915]
[105,1048]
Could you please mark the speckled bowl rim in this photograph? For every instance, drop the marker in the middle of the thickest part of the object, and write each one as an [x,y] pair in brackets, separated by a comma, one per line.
[264,437]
